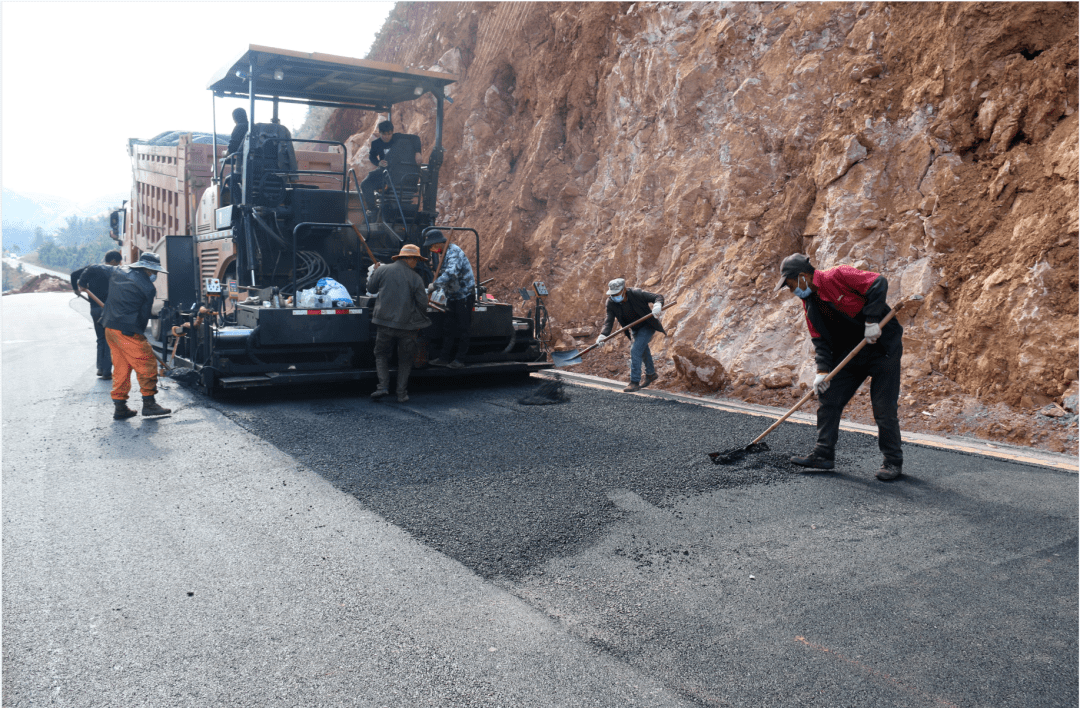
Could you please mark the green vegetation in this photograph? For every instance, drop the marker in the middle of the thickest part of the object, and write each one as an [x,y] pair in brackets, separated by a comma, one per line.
[79,242]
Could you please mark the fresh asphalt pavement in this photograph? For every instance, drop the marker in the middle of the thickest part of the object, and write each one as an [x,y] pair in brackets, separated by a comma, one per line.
[316,548]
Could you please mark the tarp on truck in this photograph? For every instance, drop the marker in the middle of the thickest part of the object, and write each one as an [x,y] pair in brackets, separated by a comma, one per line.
[171,138]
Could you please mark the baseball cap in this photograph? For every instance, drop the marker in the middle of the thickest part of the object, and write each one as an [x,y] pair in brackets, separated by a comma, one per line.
[791,266]
[616,286]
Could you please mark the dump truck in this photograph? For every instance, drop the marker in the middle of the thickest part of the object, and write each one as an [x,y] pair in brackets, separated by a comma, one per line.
[248,237]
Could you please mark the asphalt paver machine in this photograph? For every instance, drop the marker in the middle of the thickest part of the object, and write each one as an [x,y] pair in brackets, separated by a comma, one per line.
[282,214]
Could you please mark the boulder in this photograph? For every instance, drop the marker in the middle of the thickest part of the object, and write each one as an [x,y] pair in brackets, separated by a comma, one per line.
[697,369]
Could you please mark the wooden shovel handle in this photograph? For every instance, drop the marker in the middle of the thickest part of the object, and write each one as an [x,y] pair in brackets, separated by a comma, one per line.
[834,372]
[93,297]
[620,329]
[371,255]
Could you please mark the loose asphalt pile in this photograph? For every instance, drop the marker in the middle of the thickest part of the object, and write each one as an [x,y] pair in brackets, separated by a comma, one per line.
[503,486]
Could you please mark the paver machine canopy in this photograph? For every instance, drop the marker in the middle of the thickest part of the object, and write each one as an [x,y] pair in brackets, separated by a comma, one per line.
[272,181]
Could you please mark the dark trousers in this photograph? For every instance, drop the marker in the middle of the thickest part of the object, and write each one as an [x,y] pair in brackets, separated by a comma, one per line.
[104,356]
[385,341]
[372,182]
[457,323]
[884,373]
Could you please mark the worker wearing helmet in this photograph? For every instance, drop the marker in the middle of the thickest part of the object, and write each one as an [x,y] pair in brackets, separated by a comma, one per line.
[131,297]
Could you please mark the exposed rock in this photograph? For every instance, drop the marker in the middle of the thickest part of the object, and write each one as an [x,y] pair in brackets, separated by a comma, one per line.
[777,380]
[1071,398]
[693,146]
[698,370]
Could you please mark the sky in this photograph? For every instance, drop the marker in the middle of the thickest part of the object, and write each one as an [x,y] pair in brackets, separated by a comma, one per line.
[80,78]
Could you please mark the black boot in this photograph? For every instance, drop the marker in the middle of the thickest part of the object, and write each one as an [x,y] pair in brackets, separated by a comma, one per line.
[122,411]
[150,407]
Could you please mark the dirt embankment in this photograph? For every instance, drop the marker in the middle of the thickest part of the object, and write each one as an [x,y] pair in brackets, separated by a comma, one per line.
[689,148]
[20,282]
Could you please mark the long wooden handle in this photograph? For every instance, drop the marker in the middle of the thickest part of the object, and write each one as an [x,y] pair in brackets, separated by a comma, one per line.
[834,372]
[442,260]
[620,329]
[371,255]
[93,297]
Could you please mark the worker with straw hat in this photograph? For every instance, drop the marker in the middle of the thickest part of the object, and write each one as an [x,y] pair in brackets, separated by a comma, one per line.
[400,313]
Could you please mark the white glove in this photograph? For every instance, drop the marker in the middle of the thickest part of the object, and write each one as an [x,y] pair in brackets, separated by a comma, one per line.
[872,332]
[656,309]
[820,384]
[601,339]
[431,288]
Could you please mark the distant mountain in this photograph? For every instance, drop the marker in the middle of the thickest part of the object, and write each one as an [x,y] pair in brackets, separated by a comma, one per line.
[22,212]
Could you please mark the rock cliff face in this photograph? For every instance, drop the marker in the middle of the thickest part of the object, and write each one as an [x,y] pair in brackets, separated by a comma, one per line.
[690,147]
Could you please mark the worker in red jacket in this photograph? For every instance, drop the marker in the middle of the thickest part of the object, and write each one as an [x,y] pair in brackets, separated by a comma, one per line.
[843,306]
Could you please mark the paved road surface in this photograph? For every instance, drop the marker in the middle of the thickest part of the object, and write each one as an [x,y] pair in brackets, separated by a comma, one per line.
[318,549]
[34,269]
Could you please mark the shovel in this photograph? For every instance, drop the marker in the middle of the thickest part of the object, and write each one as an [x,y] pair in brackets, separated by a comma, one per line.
[728,457]
[573,356]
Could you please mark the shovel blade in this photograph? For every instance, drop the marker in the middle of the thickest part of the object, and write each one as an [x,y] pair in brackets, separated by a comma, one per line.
[569,358]
[732,456]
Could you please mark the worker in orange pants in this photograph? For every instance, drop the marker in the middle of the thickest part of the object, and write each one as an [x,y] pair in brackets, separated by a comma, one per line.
[131,296]
[131,353]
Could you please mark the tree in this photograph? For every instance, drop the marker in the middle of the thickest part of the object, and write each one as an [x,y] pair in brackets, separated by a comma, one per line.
[39,238]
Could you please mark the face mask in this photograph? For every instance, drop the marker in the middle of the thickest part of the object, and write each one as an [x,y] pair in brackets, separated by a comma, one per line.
[617,298]
[802,293]
[153,277]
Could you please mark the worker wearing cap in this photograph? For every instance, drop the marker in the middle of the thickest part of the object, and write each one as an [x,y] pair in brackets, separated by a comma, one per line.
[94,279]
[843,306]
[131,297]
[400,313]
[628,305]
[457,281]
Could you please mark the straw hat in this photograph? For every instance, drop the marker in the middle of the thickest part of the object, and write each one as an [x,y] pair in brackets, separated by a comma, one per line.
[409,250]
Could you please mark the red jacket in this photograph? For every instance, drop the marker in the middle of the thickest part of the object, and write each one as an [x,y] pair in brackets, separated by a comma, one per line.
[836,315]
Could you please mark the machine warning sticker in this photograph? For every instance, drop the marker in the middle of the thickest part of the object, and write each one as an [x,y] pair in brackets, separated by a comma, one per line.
[356,311]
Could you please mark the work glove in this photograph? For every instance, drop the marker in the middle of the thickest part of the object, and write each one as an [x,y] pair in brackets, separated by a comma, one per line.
[430,288]
[657,308]
[872,332]
[601,339]
[820,384]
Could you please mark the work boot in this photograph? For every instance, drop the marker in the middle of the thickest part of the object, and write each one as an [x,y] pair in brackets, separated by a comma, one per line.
[437,361]
[105,374]
[634,386]
[455,364]
[382,369]
[649,378]
[814,461]
[402,397]
[150,407]
[122,411]
[889,471]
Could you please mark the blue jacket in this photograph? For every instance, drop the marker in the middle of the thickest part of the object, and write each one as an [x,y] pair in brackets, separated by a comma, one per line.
[456,278]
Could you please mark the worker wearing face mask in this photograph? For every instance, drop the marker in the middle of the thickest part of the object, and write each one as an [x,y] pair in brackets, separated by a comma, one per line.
[843,306]
[127,310]
[627,305]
